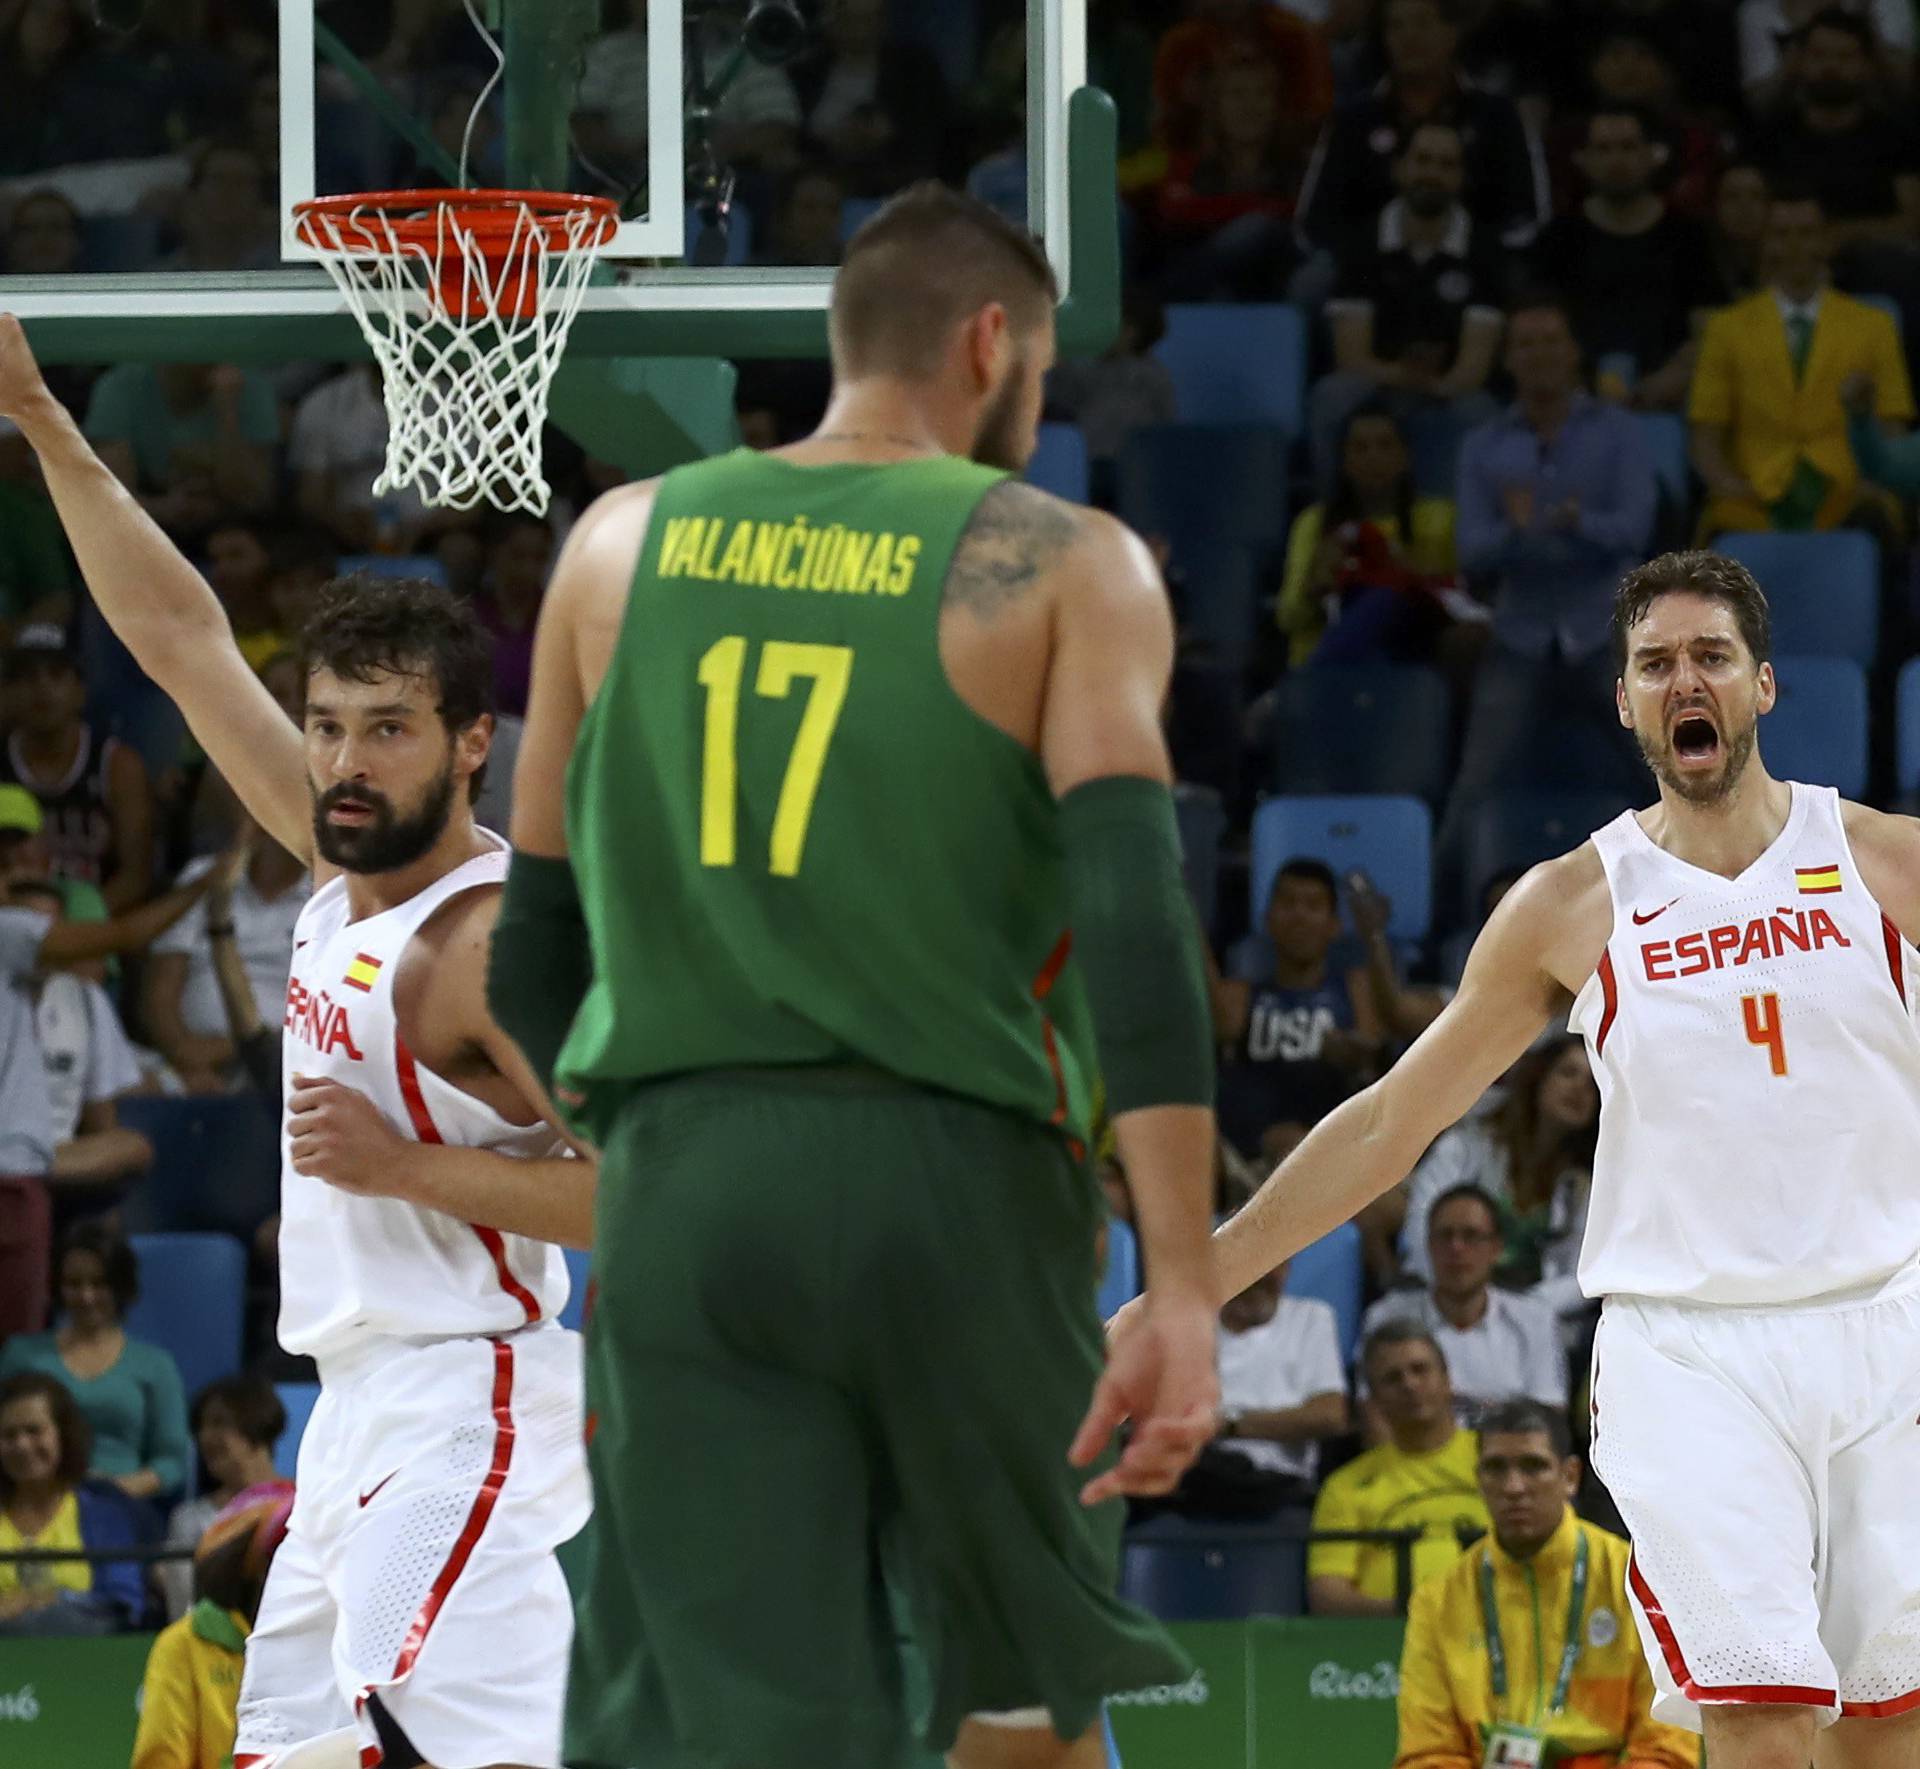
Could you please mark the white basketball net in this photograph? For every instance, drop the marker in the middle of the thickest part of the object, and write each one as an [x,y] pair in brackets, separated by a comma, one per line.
[468,332]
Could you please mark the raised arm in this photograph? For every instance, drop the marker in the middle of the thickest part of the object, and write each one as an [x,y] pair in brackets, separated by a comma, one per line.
[161,608]
[1371,1141]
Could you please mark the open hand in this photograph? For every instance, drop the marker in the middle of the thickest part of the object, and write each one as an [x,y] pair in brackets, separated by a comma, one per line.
[1161,1373]
[338,1135]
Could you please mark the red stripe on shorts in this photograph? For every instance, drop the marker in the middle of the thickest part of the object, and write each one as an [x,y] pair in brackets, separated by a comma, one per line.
[429,1132]
[1881,1710]
[1683,1678]
[475,1526]
[1042,988]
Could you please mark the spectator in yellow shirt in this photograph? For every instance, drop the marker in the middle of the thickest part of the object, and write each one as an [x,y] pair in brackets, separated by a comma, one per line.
[190,1700]
[1421,1478]
[1526,1652]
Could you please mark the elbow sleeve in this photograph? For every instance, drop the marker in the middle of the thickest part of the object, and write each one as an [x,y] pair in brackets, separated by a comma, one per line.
[541,961]
[1137,941]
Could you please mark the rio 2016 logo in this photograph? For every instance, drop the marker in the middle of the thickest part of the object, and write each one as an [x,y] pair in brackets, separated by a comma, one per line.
[1334,1682]
[1193,1693]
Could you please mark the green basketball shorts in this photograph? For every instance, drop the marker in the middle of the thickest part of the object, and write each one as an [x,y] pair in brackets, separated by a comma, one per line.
[843,1334]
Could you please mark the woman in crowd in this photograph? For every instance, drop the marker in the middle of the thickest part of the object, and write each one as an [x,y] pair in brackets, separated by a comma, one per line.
[1361,567]
[129,1391]
[236,1422]
[1534,1157]
[47,1503]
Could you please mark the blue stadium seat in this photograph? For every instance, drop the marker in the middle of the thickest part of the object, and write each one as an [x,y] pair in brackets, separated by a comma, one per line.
[1059,464]
[115,243]
[1203,825]
[1330,1271]
[1665,435]
[574,1315]
[1187,1571]
[1365,728]
[1907,722]
[1389,839]
[1513,829]
[1817,730]
[1217,596]
[1120,1282]
[1211,482]
[216,1162]
[1239,364]
[299,1399]
[395,565]
[1824,590]
[855,213]
[192,1303]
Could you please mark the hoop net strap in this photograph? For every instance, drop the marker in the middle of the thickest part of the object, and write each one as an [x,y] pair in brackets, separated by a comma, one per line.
[466,299]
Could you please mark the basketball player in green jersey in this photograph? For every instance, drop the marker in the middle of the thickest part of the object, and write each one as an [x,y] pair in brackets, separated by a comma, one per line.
[828,750]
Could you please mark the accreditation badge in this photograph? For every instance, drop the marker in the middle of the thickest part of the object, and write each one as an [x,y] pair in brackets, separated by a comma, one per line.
[1513,1747]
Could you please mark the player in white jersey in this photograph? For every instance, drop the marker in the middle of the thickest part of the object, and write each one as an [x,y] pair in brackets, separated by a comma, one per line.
[1740,960]
[416,1613]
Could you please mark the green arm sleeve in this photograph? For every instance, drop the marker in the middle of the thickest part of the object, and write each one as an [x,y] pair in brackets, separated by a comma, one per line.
[1137,943]
[541,961]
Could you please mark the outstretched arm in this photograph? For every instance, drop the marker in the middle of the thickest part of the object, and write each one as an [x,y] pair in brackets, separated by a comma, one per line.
[161,608]
[1371,1141]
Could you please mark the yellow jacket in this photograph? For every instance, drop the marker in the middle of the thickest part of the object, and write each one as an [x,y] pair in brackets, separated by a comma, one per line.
[1446,1687]
[1744,381]
[190,1700]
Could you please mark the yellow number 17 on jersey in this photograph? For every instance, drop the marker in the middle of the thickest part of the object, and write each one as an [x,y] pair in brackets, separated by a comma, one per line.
[722,671]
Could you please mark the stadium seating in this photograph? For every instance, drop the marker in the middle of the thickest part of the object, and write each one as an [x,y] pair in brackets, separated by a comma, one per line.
[299,1399]
[1217,593]
[1824,590]
[1059,464]
[1217,482]
[216,1162]
[423,565]
[1330,1270]
[1186,1571]
[192,1302]
[1907,730]
[1388,838]
[578,1263]
[1364,728]
[1120,1282]
[1241,364]
[1512,829]
[1817,730]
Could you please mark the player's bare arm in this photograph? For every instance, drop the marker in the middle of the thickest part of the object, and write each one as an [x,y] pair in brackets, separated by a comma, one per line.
[1100,742]
[1886,848]
[161,608]
[1536,951]
[340,1136]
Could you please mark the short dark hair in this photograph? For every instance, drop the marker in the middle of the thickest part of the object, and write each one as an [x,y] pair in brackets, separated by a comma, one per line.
[256,1411]
[116,1255]
[1398,1333]
[1838,18]
[1466,1189]
[1304,869]
[925,261]
[1521,1417]
[76,1435]
[1697,573]
[362,626]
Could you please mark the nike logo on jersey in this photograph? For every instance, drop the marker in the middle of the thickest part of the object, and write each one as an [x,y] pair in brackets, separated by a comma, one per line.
[1640,920]
[368,1496]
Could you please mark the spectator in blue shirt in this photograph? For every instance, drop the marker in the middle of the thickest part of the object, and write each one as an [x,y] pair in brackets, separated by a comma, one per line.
[1556,499]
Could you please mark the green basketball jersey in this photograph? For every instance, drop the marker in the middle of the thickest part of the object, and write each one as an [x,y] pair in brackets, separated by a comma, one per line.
[794,842]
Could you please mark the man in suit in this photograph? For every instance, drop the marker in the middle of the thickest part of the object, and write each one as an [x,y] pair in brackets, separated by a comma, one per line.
[1769,427]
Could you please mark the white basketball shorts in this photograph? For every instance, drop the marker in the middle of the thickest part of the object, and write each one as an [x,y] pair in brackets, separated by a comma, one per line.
[434,1483]
[1764,1461]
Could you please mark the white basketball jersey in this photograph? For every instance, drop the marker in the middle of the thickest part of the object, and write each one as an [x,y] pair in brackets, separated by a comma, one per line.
[351,1268]
[1759,1074]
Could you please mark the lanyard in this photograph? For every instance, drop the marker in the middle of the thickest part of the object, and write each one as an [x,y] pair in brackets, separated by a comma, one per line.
[1569,1654]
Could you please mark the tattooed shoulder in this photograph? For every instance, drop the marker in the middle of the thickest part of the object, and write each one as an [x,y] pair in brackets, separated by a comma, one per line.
[1017,533]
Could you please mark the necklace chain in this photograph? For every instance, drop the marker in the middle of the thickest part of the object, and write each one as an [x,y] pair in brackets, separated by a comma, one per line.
[918,444]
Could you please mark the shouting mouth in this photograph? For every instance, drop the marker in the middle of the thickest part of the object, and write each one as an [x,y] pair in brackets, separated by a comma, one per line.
[1696,741]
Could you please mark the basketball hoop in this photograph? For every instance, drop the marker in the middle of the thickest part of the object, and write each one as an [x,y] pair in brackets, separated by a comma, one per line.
[466,297]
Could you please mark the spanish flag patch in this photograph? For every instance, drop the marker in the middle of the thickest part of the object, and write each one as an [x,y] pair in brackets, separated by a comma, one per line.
[364,970]
[1816,881]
